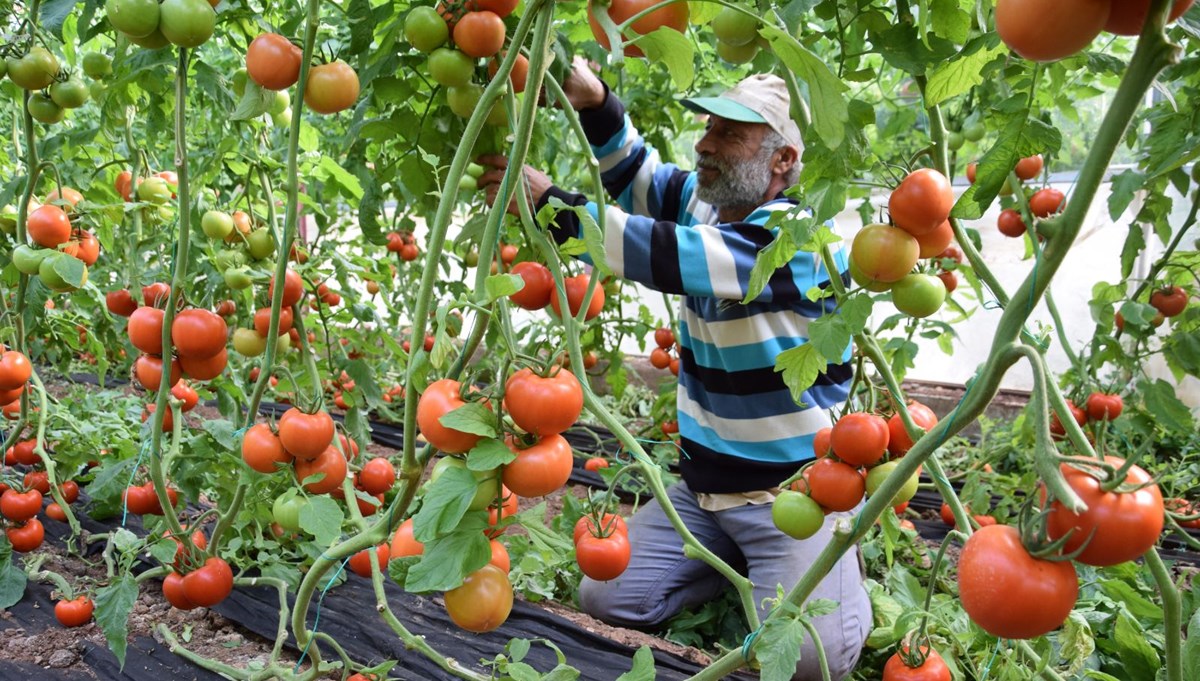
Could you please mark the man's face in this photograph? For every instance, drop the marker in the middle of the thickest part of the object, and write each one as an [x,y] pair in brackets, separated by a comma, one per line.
[733,168]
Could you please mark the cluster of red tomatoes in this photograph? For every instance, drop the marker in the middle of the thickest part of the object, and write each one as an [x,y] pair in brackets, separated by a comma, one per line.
[882,257]
[602,546]
[539,290]
[403,245]
[273,63]
[855,456]
[252,342]
[1099,407]
[245,241]
[1049,30]
[674,16]
[476,28]
[55,241]
[304,440]
[15,372]
[1169,300]
[666,355]
[1043,203]
[152,25]
[20,508]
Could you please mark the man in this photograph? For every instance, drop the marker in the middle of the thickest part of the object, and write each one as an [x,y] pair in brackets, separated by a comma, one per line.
[697,234]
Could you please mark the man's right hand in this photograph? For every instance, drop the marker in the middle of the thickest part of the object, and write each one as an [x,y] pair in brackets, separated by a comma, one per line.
[583,89]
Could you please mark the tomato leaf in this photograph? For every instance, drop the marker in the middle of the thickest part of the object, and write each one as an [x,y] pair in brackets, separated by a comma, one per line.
[778,648]
[445,502]
[965,71]
[255,102]
[12,578]
[1160,399]
[1191,649]
[489,454]
[643,666]
[362,25]
[517,649]
[776,254]
[1076,643]
[672,49]
[1135,243]
[447,560]
[113,605]
[72,271]
[948,20]
[322,518]
[502,285]
[472,418]
[800,366]
[54,13]
[328,169]
[826,101]
[364,380]
[163,550]
[1141,661]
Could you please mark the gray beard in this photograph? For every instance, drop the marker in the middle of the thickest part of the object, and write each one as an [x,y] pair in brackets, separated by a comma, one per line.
[742,184]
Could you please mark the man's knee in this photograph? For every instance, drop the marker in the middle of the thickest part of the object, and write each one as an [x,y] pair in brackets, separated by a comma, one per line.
[619,605]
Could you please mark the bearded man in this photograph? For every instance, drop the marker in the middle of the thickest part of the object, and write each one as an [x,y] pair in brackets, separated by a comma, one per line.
[696,234]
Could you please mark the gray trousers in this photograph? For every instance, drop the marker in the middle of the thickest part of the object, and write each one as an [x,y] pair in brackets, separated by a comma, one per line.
[660,581]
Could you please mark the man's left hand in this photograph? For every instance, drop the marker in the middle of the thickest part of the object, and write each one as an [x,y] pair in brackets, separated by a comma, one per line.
[534,183]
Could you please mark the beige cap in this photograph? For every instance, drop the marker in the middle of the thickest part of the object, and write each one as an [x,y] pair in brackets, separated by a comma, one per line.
[761,98]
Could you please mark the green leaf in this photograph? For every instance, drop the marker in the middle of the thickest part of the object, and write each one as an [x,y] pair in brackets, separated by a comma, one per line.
[1191,649]
[593,238]
[826,101]
[1140,606]
[829,334]
[949,20]
[1125,186]
[364,379]
[447,560]
[163,550]
[322,518]
[1138,656]
[255,102]
[113,605]
[328,168]
[776,254]
[489,454]
[643,666]
[445,501]
[472,418]
[54,13]
[518,648]
[962,73]
[1160,400]
[12,578]
[1022,136]
[362,25]
[800,367]
[1135,243]
[778,648]
[1076,642]
[502,285]
[223,431]
[672,49]
[72,270]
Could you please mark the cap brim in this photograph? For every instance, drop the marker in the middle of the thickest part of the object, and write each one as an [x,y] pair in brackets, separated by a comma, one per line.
[725,108]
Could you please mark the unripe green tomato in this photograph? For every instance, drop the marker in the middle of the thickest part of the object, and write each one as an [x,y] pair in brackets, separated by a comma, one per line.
[96,89]
[187,23]
[489,481]
[216,224]
[450,67]
[282,343]
[974,131]
[27,259]
[239,82]
[737,54]
[498,116]
[282,119]
[97,65]
[33,71]
[797,515]
[154,190]
[425,29]
[51,278]
[165,212]
[1196,172]
[471,259]
[247,342]
[227,258]
[155,41]
[8,214]
[878,474]
[44,109]
[919,295]
[70,94]
[134,18]
[735,28]
[238,278]
[286,510]
[866,282]
[474,170]
[3,68]
[281,102]
[463,100]
[955,141]
[467,183]
[260,243]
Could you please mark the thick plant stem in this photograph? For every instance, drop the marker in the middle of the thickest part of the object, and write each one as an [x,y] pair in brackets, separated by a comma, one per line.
[1061,330]
[1172,614]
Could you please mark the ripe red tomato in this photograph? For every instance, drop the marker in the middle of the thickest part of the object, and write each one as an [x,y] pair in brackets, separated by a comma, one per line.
[603,558]
[1048,30]
[1056,427]
[936,241]
[273,62]
[507,508]
[1104,407]
[403,543]
[262,321]
[672,16]
[479,34]
[306,436]
[49,226]
[595,463]
[205,369]
[186,394]
[664,337]
[538,284]
[508,253]
[1046,202]
[38,480]
[898,441]
[932,669]
[440,398]
[56,512]
[360,563]
[1009,593]
[499,556]
[922,202]
[1029,167]
[27,537]
[539,469]
[377,476]
[610,523]
[156,294]
[262,450]
[210,584]
[883,253]
[659,358]
[518,75]
[821,442]
[20,506]
[84,246]
[483,602]
[1125,525]
[860,438]
[1010,223]
[69,490]
[1129,16]
[502,8]
[543,405]
[173,591]
[198,333]
[576,288]
[24,452]
[145,329]
[120,302]
[148,370]
[331,87]
[15,369]
[836,486]
[293,288]
[1169,301]
[198,540]
[331,463]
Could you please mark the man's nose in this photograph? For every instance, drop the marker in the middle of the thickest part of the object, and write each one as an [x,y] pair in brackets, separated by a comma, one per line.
[705,145]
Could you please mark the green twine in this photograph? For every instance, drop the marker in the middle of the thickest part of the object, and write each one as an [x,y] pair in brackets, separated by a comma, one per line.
[673,443]
[132,474]
[987,668]
[748,642]
[317,618]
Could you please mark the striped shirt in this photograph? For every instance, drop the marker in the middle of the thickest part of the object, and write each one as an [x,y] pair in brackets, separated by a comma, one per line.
[740,429]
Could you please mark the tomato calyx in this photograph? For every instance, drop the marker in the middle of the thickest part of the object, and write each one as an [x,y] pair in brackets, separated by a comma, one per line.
[1032,524]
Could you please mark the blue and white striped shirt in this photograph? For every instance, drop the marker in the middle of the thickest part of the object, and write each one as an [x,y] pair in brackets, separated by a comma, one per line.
[739,427]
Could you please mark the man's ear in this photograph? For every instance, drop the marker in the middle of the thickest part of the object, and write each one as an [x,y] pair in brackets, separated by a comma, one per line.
[785,158]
